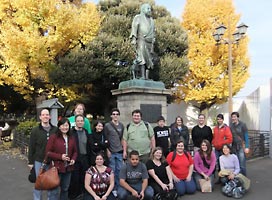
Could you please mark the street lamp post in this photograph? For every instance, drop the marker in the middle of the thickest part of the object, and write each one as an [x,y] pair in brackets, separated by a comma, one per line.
[237,35]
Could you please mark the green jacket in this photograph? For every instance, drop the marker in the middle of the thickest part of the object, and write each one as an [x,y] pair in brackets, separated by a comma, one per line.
[37,143]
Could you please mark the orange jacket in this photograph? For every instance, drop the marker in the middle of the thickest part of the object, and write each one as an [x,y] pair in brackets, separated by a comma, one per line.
[221,136]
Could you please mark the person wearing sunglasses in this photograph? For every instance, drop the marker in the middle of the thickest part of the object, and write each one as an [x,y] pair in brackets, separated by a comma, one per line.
[114,132]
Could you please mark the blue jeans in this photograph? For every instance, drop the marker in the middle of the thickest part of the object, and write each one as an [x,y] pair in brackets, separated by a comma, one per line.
[116,162]
[183,186]
[123,193]
[64,186]
[218,153]
[198,176]
[242,160]
[37,194]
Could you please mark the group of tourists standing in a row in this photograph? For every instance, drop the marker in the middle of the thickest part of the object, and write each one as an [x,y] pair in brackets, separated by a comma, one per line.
[116,161]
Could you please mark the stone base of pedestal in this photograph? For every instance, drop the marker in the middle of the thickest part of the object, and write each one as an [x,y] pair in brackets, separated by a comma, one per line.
[148,96]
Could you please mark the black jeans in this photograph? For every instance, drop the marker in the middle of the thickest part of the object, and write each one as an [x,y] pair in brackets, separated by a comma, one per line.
[78,176]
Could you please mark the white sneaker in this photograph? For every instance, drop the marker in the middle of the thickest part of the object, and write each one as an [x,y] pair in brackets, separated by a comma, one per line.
[114,192]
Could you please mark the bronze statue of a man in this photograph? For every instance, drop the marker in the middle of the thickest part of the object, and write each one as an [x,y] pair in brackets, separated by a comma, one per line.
[143,37]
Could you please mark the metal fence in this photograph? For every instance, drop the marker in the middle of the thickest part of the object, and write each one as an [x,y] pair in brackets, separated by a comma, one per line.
[259,142]
[21,141]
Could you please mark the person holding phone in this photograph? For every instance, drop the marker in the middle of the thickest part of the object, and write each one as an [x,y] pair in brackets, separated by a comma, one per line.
[61,149]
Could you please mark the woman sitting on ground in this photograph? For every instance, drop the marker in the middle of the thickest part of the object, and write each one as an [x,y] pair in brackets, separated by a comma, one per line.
[160,173]
[229,164]
[99,181]
[181,164]
[204,163]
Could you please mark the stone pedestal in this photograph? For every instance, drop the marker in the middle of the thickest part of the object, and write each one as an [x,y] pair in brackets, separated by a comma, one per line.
[148,96]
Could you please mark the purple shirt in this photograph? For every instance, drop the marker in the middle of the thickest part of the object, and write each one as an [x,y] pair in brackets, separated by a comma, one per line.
[199,166]
[230,162]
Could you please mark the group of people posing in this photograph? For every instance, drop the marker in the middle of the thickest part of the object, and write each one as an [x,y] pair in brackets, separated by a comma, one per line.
[114,160]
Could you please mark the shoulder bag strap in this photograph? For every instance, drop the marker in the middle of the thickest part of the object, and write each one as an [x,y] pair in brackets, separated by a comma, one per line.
[116,129]
[100,176]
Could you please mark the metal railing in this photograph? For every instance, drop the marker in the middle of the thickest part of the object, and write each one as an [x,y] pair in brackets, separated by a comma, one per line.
[259,142]
[21,141]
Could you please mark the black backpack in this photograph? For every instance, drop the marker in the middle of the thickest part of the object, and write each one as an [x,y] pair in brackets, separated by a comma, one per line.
[167,195]
[175,154]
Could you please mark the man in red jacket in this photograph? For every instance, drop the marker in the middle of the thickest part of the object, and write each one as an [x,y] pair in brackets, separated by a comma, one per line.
[221,135]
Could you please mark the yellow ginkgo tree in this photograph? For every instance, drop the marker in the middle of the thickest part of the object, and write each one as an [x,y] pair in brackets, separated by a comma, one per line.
[207,80]
[34,33]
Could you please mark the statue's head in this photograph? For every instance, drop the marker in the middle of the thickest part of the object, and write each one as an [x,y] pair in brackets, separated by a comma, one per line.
[146,9]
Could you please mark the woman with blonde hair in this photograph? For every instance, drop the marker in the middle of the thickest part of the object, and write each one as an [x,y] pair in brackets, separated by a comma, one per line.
[160,173]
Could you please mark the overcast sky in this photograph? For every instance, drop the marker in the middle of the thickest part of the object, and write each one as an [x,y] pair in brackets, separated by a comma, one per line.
[257,14]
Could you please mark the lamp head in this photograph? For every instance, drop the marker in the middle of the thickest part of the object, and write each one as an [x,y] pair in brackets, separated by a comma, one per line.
[216,37]
[236,35]
[242,28]
[220,30]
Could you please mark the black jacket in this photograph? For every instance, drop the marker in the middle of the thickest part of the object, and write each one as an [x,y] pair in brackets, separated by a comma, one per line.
[37,143]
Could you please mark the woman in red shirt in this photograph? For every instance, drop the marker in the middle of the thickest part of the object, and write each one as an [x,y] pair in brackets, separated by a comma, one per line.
[181,164]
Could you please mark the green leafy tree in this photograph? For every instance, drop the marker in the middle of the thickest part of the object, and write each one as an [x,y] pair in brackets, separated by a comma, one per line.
[95,64]
[207,80]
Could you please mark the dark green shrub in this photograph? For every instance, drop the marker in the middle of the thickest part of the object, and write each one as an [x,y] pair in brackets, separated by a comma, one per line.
[25,127]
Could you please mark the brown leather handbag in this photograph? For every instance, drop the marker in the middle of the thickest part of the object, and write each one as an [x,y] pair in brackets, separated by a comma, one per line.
[47,179]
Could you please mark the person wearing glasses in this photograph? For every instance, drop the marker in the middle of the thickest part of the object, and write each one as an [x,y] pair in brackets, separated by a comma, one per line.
[37,143]
[114,132]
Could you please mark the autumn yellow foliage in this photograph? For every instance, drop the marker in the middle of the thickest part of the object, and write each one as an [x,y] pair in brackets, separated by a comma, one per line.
[207,80]
[34,33]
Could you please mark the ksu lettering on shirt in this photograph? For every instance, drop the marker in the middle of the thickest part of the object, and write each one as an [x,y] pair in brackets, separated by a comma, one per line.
[163,133]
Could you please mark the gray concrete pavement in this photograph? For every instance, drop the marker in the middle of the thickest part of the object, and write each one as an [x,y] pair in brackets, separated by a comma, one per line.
[15,185]
[13,177]
[260,173]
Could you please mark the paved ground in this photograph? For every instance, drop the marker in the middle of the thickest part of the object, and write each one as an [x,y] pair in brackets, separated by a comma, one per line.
[14,184]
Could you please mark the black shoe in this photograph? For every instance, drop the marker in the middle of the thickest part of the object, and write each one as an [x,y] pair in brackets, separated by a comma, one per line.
[78,197]
[218,182]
